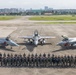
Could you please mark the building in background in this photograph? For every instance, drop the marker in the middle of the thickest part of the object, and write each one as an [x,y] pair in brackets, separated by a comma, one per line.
[31,11]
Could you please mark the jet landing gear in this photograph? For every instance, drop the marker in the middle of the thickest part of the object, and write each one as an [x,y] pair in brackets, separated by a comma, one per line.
[11,47]
[30,41]
[42,42]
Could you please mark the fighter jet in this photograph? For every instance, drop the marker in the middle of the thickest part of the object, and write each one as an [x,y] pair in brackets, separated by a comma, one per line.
[67,42]
[7,41]
[36,38]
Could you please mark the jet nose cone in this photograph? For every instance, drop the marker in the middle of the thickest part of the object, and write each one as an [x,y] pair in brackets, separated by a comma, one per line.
[58,44]
[36,43]
[14,44]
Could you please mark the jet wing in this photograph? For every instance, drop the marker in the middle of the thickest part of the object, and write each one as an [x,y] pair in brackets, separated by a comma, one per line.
[1,41]
[46,37]
[26,37]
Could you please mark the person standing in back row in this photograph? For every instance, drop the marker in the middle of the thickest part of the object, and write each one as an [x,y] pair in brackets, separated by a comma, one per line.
[0,59]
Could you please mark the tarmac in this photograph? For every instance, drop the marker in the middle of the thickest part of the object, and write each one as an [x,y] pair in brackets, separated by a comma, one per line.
[6,31]
[27,28]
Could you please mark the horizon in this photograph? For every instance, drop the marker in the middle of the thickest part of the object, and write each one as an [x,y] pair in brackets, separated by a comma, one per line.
[39,8]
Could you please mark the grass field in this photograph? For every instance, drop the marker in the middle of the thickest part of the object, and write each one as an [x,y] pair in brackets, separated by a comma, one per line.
[55,18]
[7,17]
[56,22]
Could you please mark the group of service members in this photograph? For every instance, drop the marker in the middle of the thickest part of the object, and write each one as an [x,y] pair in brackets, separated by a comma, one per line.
[35,60]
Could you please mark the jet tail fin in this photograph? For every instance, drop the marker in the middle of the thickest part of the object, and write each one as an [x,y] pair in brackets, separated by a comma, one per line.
[65,37]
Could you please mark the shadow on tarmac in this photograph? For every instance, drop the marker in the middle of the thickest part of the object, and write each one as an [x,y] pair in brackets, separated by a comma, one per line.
[6,49]
[64,49]
[31,46]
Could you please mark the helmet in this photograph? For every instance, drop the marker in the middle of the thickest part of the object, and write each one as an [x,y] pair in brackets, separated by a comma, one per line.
[8,55]
[44,54]
[48,54]
[24,54]
[11,55]
[36,54]
[32,55]
[4,55]
[40,54]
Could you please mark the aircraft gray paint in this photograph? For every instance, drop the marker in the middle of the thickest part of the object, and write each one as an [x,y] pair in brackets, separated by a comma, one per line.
[67,42]
[36,38]
[6,41]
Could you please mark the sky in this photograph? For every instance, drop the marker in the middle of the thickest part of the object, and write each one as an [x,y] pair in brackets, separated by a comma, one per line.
[38,4]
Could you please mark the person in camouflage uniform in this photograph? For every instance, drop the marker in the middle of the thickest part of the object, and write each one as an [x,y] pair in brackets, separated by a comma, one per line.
[36,60]
[39,59]
[24,64]
[12,60]
[75,61]
[28,60]
[49,60]
[0,59]
[8,60]
[4,60]
[20,60]
[62,61]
